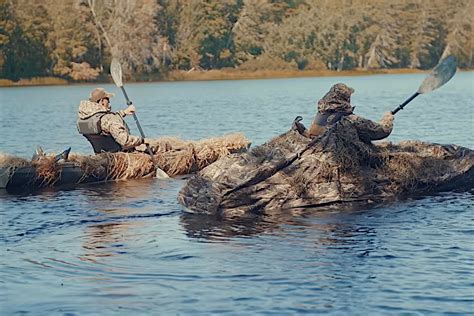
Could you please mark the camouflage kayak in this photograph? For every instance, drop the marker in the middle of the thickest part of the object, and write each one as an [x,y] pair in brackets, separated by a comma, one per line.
[292,171]
[174,156]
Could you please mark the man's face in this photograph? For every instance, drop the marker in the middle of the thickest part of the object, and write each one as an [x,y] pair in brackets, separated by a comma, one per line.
[105,103]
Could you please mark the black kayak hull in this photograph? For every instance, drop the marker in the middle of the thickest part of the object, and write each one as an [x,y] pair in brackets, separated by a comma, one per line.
[18,179]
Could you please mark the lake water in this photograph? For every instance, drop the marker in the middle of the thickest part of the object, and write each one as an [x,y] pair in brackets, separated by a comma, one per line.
[130,248]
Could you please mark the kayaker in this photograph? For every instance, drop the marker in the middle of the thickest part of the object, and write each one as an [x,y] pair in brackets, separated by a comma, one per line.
[336,105]
[106,130]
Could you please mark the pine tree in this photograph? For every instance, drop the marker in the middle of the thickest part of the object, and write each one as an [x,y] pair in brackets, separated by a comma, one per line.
[386,36]
[217,45]
[459,30]
[7,25]
[251,29]
[24,54]
[188,34]
[130,32]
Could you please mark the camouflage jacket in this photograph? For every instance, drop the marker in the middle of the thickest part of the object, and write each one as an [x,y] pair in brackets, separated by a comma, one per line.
[111,124]
[338,100]
[369,130]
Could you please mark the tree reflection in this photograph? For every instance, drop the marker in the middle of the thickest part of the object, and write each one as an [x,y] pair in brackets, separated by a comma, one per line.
[331,227]
[118,206]
[105,240]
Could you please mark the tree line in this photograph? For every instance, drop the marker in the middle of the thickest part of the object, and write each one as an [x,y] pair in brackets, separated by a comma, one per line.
[76,39]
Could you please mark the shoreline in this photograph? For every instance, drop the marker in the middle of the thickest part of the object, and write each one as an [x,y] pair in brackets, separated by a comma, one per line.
[226,74]
[278,74]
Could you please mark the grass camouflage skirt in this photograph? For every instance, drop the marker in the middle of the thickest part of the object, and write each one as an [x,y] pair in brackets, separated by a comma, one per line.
[173,155]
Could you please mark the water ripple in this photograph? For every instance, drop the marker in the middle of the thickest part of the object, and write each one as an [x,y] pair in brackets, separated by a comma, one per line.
[128,247]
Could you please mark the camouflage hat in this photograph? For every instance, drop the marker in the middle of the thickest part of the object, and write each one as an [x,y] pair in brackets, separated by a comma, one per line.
[99,93]
[338,99]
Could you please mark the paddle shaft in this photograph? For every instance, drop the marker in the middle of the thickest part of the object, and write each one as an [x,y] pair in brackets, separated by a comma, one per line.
[401,106]
[139,126]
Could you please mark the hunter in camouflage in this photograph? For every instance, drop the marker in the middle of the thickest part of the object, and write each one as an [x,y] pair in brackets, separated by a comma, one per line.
[338,101]
[111,123]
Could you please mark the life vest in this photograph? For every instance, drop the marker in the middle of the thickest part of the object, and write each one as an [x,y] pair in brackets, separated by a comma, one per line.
[91,129]
[322,121]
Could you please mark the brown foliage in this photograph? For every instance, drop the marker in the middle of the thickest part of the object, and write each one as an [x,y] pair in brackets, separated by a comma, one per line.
[48,171]
[176,156]
[8,160]
[173,155]
[155,37]
[83,71]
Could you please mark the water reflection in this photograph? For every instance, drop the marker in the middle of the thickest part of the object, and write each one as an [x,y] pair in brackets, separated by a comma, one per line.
[120,191]
[119,207]
[326,227]
[106,240]
[213,228]
[414,258]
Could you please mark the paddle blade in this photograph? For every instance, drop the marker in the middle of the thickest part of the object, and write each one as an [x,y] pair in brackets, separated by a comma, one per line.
[116,72]
[161,174]
[441,74]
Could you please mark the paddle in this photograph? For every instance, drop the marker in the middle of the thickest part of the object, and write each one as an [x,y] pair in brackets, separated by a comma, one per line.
[116,72]
[440,74]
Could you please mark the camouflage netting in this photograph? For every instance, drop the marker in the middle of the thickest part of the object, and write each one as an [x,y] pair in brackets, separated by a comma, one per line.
[173,155]
[292,171]
[176,156]
[8,160]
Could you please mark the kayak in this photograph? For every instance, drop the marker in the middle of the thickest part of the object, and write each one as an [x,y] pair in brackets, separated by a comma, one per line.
[336,169]
[25,178]
[174,156]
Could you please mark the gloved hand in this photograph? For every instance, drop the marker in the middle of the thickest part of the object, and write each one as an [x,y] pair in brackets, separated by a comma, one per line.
[130,110]
[298,126]
[388,118]
[150,143]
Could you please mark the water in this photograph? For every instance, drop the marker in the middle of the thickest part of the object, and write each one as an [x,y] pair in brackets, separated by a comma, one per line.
[130,248]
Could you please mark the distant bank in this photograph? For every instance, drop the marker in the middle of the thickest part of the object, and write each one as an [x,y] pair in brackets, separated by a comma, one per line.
[226,74]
